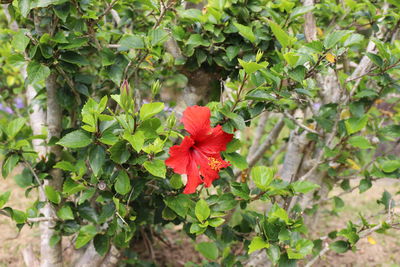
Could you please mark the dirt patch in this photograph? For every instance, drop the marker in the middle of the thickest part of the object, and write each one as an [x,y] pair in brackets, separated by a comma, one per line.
[386,251]
[174,248]
[12,242]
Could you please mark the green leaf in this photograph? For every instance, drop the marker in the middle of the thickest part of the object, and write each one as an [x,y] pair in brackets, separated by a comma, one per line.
[20,41]
[119,152]
[245,31]
[52,194]
[339,203]
[302,248]
[385,200]
[149,110]
[130,41]
[74,58]
[197,40]
[65,213]
[237,160]
[18,216]
[4,198]
[156,167]
[36,72]
[333,38]
[257,243]
[66,166]
[208,250]
[24,179]
[251,67]
[262,176]
[353,39]
[202,210]
[179,204]
[291,58]
[9,164]
[354,125]
[215,222]
[75,139]
[176,181]
[101,244]
[277,212]
[360,142]
[390,165]
[158,36]
[377,60]
[136,140]
[339,246]
[298,73]
[284,39]
[54,239]
[303,186]
[14,127]
[122,183]
[365,184]
[301,10]
[86,233]
[97,157]
[232,51]
[24,7]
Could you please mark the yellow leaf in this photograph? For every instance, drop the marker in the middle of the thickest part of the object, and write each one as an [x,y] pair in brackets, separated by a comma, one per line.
[371,240]
[353,164]
[320,31]
[345,114]
[330,57]
[148,59]
[10,80]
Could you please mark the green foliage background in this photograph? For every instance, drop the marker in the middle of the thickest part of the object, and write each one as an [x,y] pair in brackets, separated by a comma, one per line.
[115,63]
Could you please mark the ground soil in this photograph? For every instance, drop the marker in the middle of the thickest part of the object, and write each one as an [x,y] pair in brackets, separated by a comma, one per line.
[176,249]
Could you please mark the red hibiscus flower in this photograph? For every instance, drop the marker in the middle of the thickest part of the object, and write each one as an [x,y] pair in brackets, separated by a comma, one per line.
[198,156]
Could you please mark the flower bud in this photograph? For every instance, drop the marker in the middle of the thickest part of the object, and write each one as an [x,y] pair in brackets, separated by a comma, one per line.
[155,88]
[259,55]
[171,120]
[125,88]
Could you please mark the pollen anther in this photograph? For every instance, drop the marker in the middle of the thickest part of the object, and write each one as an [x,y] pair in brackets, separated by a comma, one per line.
[214,163]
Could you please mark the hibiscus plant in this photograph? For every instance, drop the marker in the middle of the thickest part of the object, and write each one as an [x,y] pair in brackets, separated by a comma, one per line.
[236,123]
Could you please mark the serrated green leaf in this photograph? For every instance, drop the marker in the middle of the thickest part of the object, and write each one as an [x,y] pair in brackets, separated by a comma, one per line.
[262,176]
[202,210]
[245,31]
[97,157]
[75,139]
[208,250]
[156,167]
[86,234]
[149,110]
[303,186]
[257,243]
[122,183]
[36,72]
[360,142]
[52,194]
[65,213]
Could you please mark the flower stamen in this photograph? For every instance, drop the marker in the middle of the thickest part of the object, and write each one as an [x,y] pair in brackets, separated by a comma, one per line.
[214,163]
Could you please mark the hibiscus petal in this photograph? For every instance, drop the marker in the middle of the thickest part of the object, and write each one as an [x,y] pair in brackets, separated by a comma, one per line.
[211,173]
[194,179]
[180,156]
[215,142]
[196,120]
[209,166]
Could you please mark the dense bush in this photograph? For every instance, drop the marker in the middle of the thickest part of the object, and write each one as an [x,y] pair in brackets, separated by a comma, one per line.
[294,99]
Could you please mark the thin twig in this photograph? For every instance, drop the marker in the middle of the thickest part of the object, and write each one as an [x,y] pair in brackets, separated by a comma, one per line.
[301,125]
